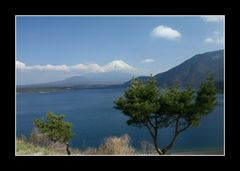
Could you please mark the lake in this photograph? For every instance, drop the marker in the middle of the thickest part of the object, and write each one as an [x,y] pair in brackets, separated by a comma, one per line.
[94,118]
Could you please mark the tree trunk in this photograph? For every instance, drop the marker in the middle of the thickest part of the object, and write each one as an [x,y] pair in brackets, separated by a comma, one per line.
[156,146]
[154,133]
[174,139]
[171,144]
[67,149]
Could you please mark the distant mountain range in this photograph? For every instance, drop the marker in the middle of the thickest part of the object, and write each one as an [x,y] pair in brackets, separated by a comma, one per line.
[107,78]
[69,82]
[193,71]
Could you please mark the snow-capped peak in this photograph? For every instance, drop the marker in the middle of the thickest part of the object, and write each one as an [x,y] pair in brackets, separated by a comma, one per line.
[118,65]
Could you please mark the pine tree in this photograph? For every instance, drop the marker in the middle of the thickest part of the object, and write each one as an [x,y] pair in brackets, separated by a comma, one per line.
[153,109]
[56,129]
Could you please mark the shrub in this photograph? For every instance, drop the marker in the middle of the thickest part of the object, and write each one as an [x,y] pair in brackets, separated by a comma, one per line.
[147,148]
[117,145]
[39,139]
[112,146]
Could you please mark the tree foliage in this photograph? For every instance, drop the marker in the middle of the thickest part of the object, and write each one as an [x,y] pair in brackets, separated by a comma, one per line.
[153,109]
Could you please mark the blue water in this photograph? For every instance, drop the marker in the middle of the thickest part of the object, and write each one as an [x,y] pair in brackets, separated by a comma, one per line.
[94,118]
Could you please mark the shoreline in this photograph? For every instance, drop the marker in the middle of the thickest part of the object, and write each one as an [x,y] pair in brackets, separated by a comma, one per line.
[216,151]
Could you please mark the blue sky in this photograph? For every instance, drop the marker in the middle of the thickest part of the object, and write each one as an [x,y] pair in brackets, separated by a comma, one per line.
[50,48]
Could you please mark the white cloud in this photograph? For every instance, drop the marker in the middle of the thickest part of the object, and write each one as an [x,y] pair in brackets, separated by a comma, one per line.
[212,19]
[20,65]
[116,65]
[166,32]
[147,60]
[86,68]
[48,67]
[209,40]
[216,38]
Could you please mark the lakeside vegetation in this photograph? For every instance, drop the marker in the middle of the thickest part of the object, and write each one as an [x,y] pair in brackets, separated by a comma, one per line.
[111,146]
[38,144]
[27,148]
[63,89]
[42,90]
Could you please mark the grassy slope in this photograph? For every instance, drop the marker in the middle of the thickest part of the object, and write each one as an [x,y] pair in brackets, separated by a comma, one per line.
[25,148]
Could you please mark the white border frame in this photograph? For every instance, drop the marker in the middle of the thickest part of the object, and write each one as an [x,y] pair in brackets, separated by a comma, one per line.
[118,16]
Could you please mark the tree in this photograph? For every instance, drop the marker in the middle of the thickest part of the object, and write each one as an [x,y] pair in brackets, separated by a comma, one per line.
[56,129]
[153,109]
